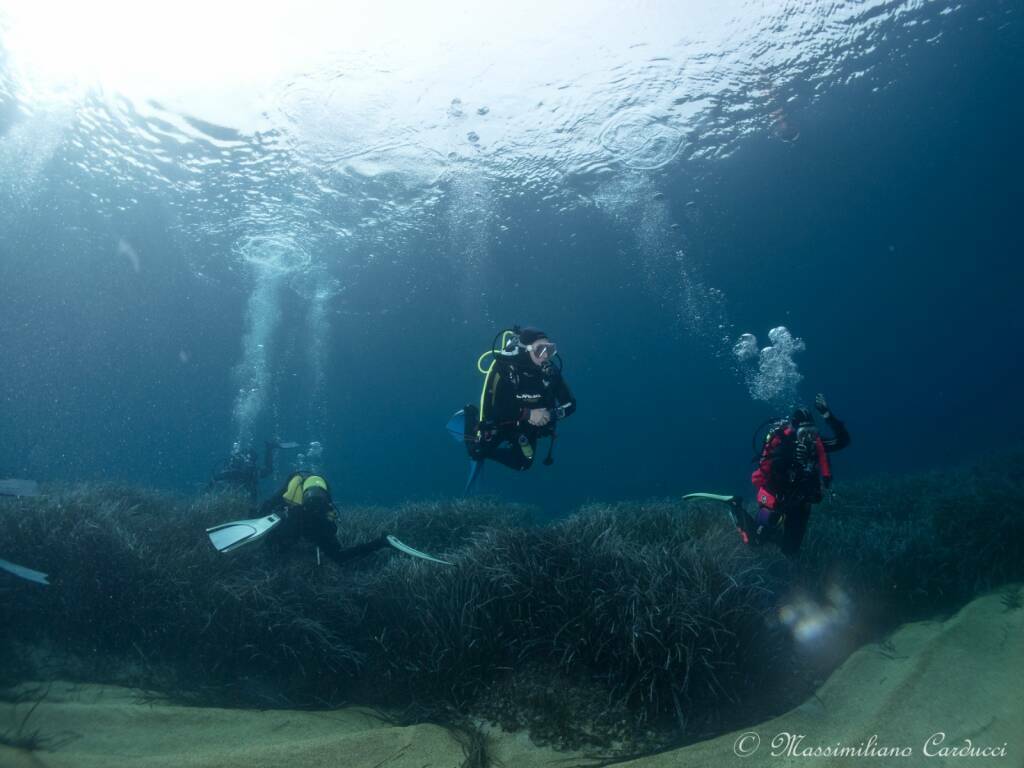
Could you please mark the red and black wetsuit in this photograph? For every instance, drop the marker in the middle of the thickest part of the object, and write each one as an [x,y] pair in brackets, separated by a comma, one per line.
[790,476]
[511,391]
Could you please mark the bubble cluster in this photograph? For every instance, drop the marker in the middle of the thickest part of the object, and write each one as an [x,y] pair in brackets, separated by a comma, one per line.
[310,462]
[276,253]
[770,373]
[746,348]
[253,373]
[641,140]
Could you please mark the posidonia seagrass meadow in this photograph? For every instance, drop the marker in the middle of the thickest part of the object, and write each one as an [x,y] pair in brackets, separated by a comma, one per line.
[634,623]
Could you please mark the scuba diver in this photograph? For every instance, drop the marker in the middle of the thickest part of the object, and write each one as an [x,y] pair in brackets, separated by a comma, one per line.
[19,488]
[308,512]
[523,398]
[302,509]
[793,471]
[241,471]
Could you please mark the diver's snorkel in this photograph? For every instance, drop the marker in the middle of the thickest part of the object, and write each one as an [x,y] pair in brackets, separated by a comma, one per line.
[506,342]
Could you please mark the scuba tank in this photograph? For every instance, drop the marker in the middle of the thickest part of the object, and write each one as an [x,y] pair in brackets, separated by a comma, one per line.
[757,442]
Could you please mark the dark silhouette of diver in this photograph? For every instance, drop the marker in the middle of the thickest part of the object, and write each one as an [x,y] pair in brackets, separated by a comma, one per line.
[524,396]
[793,471]
[307,512]
[243,472]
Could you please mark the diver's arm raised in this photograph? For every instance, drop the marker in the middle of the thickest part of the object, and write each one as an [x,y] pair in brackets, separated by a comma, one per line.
[840,436]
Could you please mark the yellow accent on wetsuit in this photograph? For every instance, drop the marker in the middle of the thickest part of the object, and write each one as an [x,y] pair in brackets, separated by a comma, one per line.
[298,485]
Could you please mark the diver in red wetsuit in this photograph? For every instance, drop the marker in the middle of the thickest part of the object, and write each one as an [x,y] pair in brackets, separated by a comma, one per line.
[792,473]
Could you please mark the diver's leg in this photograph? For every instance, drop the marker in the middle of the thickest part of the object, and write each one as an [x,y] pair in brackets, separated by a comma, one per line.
[516,451]
[324,533]
[764,524]
[794,529]
[742,519]
[359,550]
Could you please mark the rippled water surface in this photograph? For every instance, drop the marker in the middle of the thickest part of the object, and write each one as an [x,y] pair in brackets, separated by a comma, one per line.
[304,176]
[360,138]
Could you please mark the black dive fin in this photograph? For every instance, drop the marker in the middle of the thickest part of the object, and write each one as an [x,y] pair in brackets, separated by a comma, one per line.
[456,426]
[736,511]
[475,468]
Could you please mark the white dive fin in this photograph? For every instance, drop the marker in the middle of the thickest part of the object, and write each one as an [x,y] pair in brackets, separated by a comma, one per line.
[24,573]
[230,536]
[414,552]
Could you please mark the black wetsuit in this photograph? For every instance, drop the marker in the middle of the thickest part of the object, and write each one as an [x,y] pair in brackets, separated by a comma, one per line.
[511,391]
[795,478]
[242,472]
[314,524]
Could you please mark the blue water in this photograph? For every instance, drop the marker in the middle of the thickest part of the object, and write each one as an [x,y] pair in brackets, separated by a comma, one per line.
[329,265]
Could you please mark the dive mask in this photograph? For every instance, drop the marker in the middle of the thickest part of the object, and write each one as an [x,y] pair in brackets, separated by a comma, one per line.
[541,350]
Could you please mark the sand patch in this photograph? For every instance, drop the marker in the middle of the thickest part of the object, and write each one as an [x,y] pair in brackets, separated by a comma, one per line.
[960,678]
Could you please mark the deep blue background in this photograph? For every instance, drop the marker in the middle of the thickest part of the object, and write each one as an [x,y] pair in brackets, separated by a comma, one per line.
[887,237]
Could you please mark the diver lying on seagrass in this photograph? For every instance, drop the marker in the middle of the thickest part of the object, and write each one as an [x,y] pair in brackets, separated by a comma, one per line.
[242,471]
[302,509]
[792,472]
[524,396]
[12,487]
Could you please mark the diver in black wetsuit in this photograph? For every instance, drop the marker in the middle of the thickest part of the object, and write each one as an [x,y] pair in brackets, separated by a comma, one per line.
[307,512]
[242,471]
[523,399]
[792,473]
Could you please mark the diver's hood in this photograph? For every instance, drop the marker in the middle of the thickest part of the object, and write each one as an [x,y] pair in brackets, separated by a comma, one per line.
[802,417]
[530,334]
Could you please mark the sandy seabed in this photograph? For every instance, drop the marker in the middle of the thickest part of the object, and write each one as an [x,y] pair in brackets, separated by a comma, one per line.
[935,693]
